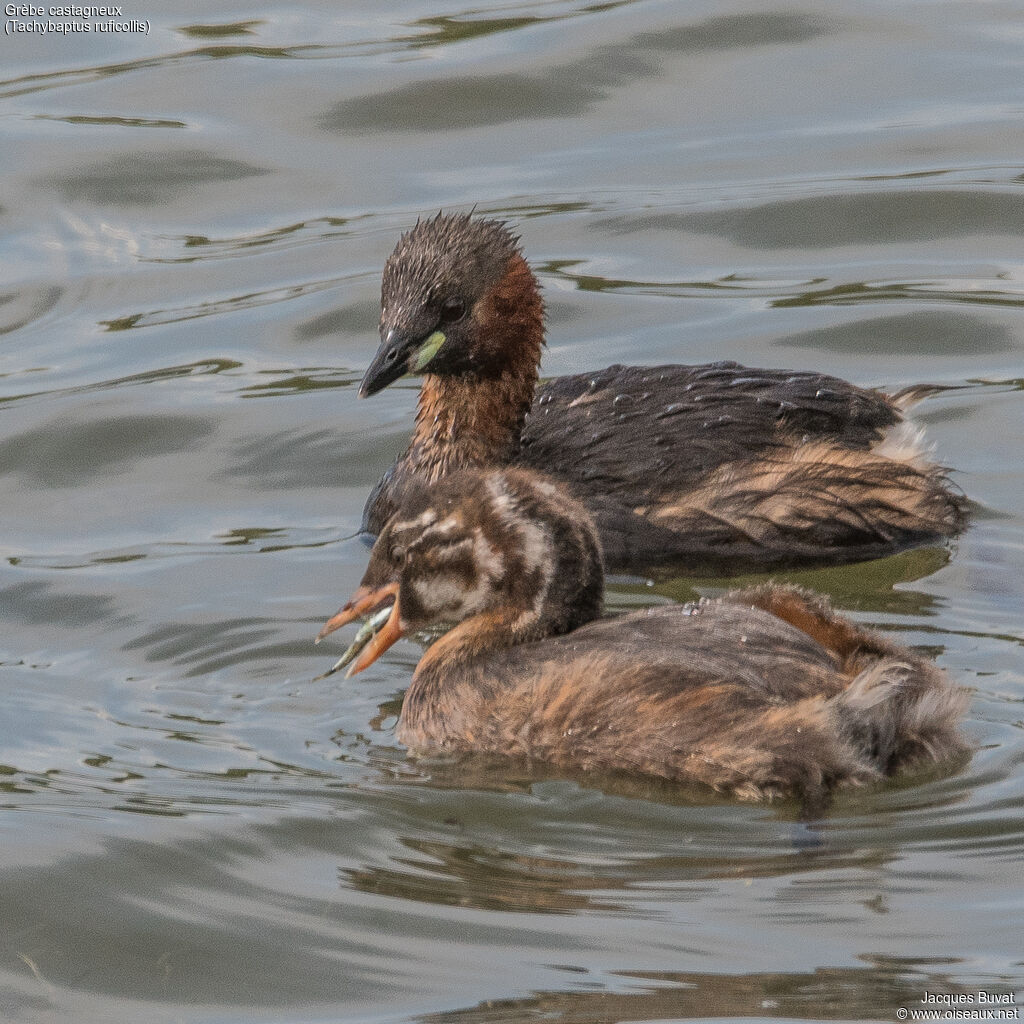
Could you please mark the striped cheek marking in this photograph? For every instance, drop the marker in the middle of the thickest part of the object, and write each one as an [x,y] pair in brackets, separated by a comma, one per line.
[537,560]
[419,523]
[445,528]
[440,595]
[535,548]
[489,561]
[535,541]
[535,545]
[463,586]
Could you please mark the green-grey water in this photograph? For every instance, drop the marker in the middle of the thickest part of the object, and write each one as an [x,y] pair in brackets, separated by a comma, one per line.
[193,220]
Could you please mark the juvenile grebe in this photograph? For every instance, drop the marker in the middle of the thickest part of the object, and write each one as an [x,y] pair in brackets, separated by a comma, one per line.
[759,693]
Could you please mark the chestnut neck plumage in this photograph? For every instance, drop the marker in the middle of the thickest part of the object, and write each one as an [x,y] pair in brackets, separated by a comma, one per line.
[482,634]
[476,418]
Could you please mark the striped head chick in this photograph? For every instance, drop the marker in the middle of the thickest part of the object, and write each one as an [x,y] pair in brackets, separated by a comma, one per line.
[507,556]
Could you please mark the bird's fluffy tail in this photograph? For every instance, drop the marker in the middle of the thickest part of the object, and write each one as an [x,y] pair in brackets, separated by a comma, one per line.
[897,713]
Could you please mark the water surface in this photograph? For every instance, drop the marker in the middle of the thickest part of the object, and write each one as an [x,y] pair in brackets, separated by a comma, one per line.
[193,224]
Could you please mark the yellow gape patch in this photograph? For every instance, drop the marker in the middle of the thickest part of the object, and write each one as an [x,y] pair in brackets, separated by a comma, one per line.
[428,350]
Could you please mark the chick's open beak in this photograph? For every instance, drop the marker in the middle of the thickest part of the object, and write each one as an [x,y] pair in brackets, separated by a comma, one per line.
[364,601]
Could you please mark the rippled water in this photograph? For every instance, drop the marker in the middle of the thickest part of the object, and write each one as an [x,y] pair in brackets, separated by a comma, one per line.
[193,224]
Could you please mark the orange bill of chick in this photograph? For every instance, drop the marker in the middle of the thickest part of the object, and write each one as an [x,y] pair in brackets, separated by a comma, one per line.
[759,693]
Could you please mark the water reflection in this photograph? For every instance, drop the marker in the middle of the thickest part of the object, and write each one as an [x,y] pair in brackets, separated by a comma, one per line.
[39,602]
[919,333]
[466,871]
[30,302]
[142,178]
[201,247]
[299,380]
[216,307]
[198,649]
[120,122]
[829,221]
[305,458]
[855,993]
[52,457]
[569,90]
[121,922]
[474,876]
[219,31]
[200,368]
[967,292]
[878,586]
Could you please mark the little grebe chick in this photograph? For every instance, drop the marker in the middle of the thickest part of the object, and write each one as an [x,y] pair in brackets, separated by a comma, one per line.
[717,468]
[759,693]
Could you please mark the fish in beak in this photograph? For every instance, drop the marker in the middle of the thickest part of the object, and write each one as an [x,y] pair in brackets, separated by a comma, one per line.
[369,645]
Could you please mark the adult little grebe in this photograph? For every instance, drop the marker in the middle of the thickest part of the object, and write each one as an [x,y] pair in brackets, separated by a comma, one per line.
[717,468]
[759,693]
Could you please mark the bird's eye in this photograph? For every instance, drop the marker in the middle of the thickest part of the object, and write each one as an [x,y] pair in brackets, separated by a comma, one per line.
[452,310]
[397,555]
